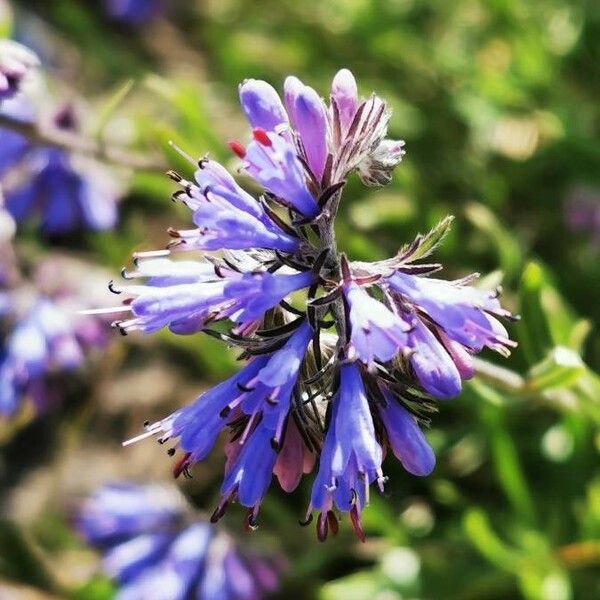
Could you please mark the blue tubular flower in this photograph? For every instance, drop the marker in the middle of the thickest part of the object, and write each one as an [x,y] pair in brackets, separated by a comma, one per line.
[376,333]
[155,548]
[351,458]
[336,374]
[433,366]
[344,99]
[404,436]
[186,307]
[261,105]
[16,61]
[463,312]
[273,162]
[227,217]
[262,392]
[309,118]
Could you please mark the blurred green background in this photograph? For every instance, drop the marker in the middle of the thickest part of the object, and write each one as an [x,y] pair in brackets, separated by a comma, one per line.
[498,102]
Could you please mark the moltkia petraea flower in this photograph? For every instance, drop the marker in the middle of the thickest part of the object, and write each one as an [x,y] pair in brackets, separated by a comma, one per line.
[155,548]
[342,359]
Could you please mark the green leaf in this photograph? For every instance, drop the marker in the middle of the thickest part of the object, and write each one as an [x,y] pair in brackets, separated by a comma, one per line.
[21,561]
[430,241]
[354,587]
[506,246]
[111,104]
[534,332]
[560,369]
[478,529]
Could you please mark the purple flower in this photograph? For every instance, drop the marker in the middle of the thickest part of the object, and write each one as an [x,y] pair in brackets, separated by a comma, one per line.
[260,396]
[154,547]
[227,217]
[186,303]
[404,435]
[375,331]
[16,61]
[344,99]
[261,105]
[134,12]
[309,119]
[351,457]
[66,193]
[41,341]
[272,160]
[341,359]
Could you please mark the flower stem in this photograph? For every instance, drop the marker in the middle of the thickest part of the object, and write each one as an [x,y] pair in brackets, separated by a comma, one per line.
[73,142]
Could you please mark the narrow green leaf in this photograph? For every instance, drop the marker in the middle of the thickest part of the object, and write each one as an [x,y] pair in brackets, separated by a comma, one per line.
[478,529]
[505,244]
[111,105]
[431,240]
[560,369]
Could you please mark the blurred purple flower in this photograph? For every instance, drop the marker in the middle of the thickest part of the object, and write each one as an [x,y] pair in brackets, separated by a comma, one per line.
[67,193]
[582,212]
[134,12]
[15,63]
[155,548]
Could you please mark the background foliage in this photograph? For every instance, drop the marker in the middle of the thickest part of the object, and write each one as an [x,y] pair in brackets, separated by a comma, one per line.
[498,103]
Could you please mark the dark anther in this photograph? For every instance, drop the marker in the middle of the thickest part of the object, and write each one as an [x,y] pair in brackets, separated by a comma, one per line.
[111,287]
[202,162]
[322,527]
[171,451]
[333,522]
[356,524]
[174,175]
[307,521]
[275,444]
[181,466]
[250,523]
[225,412]
[243,388]
[219,512]
[117,325]
[146,424]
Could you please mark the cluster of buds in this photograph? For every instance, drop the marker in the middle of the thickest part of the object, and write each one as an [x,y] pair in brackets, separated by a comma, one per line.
[342,358]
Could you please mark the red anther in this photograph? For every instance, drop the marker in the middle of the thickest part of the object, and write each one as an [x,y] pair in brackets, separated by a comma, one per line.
[333,522]
[237,148]
[322,527]
[181,465]
[260,135]
[356,524]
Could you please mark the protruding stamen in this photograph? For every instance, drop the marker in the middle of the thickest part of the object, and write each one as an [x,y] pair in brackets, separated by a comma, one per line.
[104,311]
[181,152]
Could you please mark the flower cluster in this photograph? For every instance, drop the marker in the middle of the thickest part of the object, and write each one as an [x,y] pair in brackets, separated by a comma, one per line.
[155,549]
[67,193]
[15,63]
[343,359]
[42,334]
